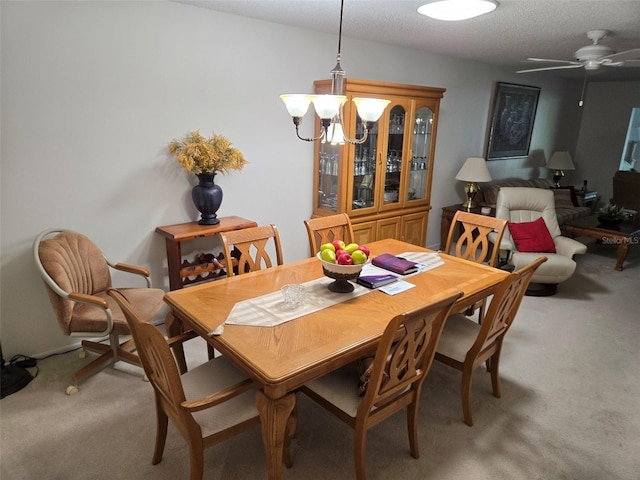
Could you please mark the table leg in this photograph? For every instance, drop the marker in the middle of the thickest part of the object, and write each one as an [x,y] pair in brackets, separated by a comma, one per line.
[174,259]
[274,415]
[623,249]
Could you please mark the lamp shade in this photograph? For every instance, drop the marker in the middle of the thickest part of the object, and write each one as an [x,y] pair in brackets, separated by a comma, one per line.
[560,161]
[474,170]
[327,106]
[370,109]
[297,104]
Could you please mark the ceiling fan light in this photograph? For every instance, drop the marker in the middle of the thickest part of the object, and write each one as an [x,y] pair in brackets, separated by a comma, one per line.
[455,10]
[370,109]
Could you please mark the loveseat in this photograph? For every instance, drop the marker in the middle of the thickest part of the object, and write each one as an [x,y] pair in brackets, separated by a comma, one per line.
[567,206]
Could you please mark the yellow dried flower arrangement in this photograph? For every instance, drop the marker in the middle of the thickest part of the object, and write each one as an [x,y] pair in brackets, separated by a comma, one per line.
[201,155]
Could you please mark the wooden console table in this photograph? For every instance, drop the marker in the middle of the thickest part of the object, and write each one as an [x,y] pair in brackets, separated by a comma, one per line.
[447,218]
[201,268]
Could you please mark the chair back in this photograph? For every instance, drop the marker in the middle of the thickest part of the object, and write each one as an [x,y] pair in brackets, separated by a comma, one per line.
[503,309]
[473,243]
[157,360]
[251,248]
[323,230]
[69,262]
[523,204]
[405,354]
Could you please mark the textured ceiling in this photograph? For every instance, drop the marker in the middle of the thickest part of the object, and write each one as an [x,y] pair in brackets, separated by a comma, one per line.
[516,30]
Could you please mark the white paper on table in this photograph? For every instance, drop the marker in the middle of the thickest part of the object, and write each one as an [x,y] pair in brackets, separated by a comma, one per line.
[396,287]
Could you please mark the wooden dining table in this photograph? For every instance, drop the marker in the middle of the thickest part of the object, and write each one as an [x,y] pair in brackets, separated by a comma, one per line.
[282,358]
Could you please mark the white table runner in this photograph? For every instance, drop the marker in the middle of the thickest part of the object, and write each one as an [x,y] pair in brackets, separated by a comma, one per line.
[270,309]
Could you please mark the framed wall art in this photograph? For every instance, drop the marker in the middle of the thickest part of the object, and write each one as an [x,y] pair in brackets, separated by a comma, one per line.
[511,121]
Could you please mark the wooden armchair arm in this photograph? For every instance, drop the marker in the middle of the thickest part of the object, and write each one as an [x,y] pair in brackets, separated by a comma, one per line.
[93,300]
[218,397]
[125,267]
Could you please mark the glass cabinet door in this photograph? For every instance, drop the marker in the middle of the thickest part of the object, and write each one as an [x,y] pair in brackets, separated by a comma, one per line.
[328,176]
[363,193]
[421,147]
[394,156]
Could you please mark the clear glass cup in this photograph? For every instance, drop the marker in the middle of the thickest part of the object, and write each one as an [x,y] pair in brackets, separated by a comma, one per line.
[293,294]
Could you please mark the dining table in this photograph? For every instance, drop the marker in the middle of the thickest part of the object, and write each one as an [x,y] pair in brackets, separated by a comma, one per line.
[282,357]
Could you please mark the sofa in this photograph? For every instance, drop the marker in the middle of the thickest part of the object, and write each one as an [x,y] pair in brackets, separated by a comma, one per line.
[566,202]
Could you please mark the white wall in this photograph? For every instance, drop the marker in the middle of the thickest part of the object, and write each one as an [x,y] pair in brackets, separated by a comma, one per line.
[602,134]
[92,92]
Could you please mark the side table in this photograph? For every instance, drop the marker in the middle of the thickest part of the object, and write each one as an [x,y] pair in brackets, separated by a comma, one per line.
[447,217]
[201,268]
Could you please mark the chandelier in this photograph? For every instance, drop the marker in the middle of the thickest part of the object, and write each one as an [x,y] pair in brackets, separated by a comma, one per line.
[329,107]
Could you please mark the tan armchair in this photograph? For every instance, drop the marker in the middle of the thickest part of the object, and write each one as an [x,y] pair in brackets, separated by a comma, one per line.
[76,276]
[521,204]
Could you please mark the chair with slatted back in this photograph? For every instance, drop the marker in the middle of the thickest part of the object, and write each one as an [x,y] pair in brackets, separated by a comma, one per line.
[473,243]
[76,275]
[207,404]
[250,248]
[465,344]
[402,360]
[327,229]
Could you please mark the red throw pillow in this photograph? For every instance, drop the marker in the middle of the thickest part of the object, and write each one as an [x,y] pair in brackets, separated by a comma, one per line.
[532,236]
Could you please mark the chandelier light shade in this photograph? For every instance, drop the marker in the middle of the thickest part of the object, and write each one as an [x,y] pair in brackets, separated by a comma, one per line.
[473,171]
[456,10]
[329,107]
[559,162]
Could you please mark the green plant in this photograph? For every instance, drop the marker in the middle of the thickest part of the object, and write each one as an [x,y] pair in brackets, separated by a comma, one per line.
[198,154]
[612,212]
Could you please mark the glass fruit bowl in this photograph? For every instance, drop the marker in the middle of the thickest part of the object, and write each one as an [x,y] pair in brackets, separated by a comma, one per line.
[341,274]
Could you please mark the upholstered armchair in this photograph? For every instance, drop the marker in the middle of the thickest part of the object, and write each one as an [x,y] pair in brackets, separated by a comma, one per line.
[522,207]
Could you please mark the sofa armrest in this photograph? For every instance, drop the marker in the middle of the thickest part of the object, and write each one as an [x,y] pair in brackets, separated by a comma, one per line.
[569,247]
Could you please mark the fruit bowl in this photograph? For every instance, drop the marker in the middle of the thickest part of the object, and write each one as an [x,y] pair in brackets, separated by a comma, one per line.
[341,274]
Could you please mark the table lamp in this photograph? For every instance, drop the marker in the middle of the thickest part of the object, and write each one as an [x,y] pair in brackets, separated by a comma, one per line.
[473,171]
[559,162]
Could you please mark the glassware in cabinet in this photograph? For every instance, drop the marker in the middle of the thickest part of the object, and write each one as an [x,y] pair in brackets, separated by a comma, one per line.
[420,151]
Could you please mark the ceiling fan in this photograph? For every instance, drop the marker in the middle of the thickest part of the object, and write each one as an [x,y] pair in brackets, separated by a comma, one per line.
[593,56]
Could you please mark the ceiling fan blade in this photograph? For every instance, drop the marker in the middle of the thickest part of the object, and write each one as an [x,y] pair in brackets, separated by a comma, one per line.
[549,60]
[627,55]
[561,67]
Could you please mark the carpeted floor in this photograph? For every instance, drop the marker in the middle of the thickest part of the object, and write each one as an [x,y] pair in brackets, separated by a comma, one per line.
[570,408]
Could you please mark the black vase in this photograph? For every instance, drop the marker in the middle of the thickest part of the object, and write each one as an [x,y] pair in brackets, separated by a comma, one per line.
[207,197]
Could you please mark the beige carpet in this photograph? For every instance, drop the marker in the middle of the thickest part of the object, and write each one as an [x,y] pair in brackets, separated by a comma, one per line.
[569,409]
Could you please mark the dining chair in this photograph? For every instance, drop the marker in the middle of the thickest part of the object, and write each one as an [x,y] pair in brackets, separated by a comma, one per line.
[473,244]
[207,404]
[77,275]
[250,248]
[403,357]
[465,344]
[327,229]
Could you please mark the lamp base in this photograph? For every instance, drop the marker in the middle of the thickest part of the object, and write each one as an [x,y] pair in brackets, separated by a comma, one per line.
[471,189]
[557,175]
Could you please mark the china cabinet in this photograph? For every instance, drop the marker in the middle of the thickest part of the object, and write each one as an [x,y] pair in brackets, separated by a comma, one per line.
[383,183]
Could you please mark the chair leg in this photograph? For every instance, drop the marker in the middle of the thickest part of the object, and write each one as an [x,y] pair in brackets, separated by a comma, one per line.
[412,427]
[196,457]
[467,376]
[495,379]
[360,446]
[162,422]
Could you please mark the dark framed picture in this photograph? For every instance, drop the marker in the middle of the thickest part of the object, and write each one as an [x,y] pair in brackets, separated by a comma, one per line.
[511,121]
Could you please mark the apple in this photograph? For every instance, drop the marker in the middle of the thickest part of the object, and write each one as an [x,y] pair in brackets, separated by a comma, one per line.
[345,260]
[328,246]
[338,244]
[352,247]
[328,255]
[365,250]
[358,257]
[341,251]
